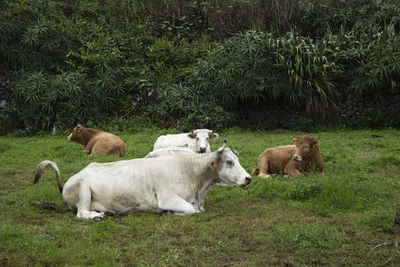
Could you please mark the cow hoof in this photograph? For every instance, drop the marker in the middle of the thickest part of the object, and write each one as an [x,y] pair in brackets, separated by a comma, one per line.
[109,213]
[98,218]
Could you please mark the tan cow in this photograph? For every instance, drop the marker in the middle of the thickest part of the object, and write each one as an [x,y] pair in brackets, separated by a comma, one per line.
[303,156]
[97,142]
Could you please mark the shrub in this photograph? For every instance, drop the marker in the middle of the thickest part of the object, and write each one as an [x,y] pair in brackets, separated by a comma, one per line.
[135,57]
[367,45]
[254,67]
[83,61]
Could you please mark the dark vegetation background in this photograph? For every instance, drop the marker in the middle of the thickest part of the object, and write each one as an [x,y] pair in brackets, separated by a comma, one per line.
[188,63]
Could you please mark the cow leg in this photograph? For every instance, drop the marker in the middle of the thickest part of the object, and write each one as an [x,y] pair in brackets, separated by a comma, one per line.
[86,150]
[263,167]
[174,203]
[264,175]
[84,203]
[293,173]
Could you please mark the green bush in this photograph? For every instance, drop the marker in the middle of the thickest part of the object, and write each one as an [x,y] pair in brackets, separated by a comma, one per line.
[81,61]
[305,124]
[366,34]
[250,68]
[161,59]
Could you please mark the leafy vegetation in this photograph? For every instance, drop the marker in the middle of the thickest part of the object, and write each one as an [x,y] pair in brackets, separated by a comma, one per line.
[275,215]
[252,68]
[186,63]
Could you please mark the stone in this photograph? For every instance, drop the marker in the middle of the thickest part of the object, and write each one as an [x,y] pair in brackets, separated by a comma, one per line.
[3,103]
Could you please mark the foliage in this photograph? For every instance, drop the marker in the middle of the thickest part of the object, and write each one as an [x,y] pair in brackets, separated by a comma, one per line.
[360,56]
[217,58]
[79,61]
[305,124]
[219,19]
[377,119]
[366,34]
[255,67]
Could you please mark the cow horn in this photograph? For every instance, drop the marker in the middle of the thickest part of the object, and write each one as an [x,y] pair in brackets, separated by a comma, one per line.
[222,148]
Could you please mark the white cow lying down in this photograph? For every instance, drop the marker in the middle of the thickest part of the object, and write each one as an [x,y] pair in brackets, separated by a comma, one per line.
[169,151]
[197,140]
[177,183]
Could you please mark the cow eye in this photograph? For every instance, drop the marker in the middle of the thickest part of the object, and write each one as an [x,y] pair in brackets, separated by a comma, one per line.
[229,162]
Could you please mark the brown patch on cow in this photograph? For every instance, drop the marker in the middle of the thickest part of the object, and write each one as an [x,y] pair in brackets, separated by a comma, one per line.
[97,142]
[302,157]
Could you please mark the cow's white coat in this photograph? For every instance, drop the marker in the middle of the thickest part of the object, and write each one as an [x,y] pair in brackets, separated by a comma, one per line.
[177,183]
[169,151]
[197,140]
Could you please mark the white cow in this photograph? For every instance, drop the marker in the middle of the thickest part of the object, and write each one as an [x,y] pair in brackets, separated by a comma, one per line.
[197,140]
[177,183]
[169,151]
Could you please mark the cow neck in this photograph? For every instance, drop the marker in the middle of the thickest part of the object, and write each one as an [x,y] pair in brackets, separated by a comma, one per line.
[309,157]
[200,171]
[88,134]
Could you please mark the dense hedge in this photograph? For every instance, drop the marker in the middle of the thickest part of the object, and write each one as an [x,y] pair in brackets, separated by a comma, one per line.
[79,61]
[181,63]
[343,52]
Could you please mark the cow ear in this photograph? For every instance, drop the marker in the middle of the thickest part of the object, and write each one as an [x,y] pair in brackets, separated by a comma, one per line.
[234,151]
[78,126]
[314,142]
[295,140]
[213,135]
[214,165]
[192,135]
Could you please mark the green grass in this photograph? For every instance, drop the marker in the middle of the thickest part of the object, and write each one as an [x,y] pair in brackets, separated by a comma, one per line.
[361,178]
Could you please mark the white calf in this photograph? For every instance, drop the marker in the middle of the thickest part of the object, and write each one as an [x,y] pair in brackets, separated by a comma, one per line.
[197,140]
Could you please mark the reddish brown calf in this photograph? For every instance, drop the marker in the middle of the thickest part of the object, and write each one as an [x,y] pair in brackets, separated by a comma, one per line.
[97,142]
[303,156]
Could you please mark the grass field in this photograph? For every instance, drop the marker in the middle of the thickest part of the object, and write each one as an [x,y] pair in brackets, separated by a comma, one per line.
[305,221]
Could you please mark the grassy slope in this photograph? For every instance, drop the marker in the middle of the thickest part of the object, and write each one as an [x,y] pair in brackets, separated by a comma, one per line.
[361,178]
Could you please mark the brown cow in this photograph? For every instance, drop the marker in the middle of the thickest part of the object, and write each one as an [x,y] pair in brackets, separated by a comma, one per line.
[97,142]
[303,156]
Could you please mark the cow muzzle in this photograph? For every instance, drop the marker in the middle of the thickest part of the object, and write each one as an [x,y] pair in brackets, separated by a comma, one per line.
[247,181]
[296,157]
[202,149]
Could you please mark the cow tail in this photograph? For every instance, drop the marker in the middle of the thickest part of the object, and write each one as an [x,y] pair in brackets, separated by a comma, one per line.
[254,171]
[40,168]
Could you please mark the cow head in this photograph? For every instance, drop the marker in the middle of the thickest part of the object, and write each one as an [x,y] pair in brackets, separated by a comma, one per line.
[305,147]
[202,136]
[76,134]
[229,170]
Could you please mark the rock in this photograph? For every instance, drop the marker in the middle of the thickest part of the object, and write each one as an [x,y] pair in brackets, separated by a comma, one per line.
[3,104]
